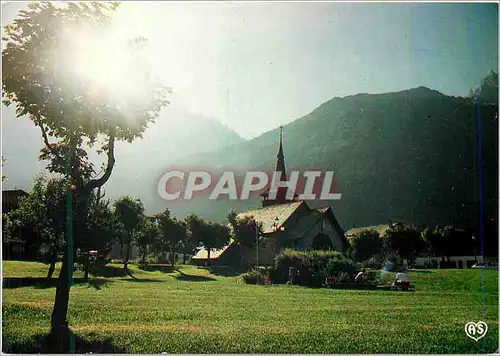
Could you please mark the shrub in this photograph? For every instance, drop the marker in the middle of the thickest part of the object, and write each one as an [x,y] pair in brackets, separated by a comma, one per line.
[313,266]
[365,245]
[373,277]
[256,276]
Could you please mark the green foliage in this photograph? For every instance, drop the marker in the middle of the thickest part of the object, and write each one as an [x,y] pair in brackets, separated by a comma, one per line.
[172,233]
[148,237]
[100,228]
[487,91]
[37,79]
[313,266]
[373,277]
[40,217]
[365,245]
[256,276]
[402,240]
[130,213]
[244,231]
[210,235]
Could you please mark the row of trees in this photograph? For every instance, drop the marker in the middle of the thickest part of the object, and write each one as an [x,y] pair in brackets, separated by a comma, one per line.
[408,242]
[40,220]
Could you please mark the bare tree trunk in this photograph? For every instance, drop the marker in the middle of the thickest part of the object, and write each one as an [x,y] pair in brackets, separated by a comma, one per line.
[52,268]
[172,257]
[86,267]
[183,258]
[208,258]
[59,323]
[127,253]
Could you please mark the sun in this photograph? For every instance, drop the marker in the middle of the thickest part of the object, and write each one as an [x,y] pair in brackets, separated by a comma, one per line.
[105,61]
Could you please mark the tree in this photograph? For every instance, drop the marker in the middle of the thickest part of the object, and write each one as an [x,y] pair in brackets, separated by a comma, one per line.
[172,233]
[178,235]
[189,243]
[101,229]
[365,245]
[209,234]
[72,108]
[402,240]
[487,91]
[148,237]
[439,240]
[40,219]
[215,236]
[244,230]
[130,212]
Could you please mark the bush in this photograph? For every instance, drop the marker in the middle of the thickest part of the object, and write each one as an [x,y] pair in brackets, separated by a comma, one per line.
[373,277]
[313,266]
[371,264]
[256,276]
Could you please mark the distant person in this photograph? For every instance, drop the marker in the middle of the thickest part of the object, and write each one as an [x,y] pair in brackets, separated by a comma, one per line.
[401,279]
[360,277]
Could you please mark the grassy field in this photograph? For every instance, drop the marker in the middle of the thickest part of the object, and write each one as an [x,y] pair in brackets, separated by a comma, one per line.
[192,311]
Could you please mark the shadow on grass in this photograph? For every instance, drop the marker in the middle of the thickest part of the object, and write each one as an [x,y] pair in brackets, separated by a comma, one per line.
[192,278]
[69,343]
[224,271]
[420,271]
[42,283]
[110,272]
[164,268]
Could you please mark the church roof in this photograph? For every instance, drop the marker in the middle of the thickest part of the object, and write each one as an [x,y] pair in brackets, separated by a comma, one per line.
[268,214]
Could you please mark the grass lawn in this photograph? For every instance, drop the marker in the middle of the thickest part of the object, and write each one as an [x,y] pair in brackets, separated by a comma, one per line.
[193,311]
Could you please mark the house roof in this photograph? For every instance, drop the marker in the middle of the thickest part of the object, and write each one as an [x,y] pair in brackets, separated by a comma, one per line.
[268,214]
[10,199]
[202,254]
[8,193]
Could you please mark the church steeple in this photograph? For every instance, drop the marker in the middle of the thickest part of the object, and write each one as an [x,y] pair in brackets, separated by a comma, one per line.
[280,167]
[280,158]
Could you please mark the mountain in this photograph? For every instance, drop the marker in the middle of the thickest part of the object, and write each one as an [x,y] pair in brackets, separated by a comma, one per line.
[410,155]
[174,134]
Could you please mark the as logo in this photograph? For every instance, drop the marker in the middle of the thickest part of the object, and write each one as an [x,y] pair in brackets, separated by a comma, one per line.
[476,331]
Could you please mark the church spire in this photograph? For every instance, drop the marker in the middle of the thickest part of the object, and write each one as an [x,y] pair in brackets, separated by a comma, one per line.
[280,167]
[280,158]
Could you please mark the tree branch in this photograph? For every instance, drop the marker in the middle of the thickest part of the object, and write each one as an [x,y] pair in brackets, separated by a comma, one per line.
[45,138]
[99,182]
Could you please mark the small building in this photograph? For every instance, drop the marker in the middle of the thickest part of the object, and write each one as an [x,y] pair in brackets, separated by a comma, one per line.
[229,255]
[10,199]
[296,226]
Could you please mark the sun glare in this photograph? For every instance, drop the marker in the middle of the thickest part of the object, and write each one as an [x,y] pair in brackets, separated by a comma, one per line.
[104,61]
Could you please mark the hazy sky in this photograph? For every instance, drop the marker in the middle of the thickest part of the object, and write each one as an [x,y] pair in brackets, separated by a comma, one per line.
[255,66]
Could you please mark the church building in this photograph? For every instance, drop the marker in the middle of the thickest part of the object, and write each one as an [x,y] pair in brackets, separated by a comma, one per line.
[286,224]
[293,223]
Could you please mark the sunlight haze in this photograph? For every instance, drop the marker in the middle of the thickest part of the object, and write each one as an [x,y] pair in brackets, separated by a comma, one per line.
[255,66]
